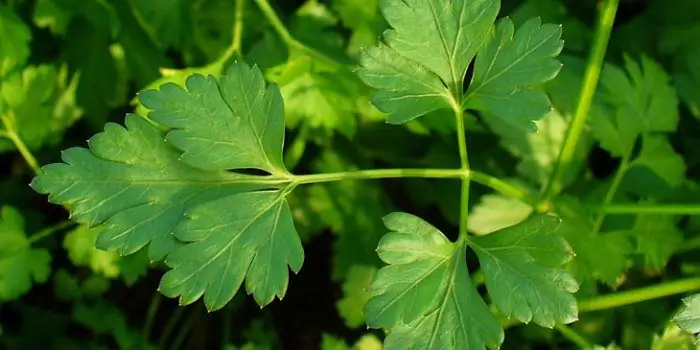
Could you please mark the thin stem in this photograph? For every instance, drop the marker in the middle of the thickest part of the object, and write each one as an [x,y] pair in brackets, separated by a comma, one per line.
[504,187]
[464,162]
[639,295]
[182,334]
[13,136]
[657,208]
[573,336]
[588,87]
[617,180]
[150,317]
[289,40]
[237,33]
[49,231]
[379,174]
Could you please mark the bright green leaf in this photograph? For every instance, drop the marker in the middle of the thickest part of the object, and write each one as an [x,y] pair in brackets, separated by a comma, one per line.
[507,68]
[495,212]
[363,18]
[424,57]
[523,273]
[657,239]
[213,228]
[639,99]
[688,317]
[233,123]
[14,46]
[20,265]
[355,295]
[425,296]
[80,244]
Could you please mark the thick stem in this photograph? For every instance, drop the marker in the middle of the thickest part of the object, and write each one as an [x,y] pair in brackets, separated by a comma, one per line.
[380,174]
[464,163]
[588,87]
[639,295]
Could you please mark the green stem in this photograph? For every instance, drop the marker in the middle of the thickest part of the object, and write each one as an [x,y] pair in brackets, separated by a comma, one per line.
[464,162]
[379,174]
[49,231]
[504,187]
[13,136]
[639,295]
[182,334]
[617,180]
[150,317]
[573,336]
[588,87]
[657,208]
[235,49]
[289,40]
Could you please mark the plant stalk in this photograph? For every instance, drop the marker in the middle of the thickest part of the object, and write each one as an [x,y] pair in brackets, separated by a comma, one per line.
[610,194]
[638,295]
[588,88]
[11,134]
[659,208]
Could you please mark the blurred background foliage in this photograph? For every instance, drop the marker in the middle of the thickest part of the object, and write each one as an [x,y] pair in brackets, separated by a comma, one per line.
[69,66]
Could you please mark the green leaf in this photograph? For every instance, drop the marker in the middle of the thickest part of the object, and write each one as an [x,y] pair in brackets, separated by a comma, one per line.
[599,256]
[639,99]
[355,295]
[657,239]
[687,81]
[42,102]
[507,68]
[495,212]
[688,317]
[14,47]
[363,18]
[80,244]
[166,20]
[48,14]
[213,227]
[20,265]
[523,273]
[235,123]
[424,57]
[425,296]
[658,168]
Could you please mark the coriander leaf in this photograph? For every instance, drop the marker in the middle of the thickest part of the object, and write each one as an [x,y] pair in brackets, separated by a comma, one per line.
[355,295]
[599,256]
[80,244]
[317,97]
[425,296]
[235,123]
[657,239]
[508,66]
[363,18]
[42,102]
[166,20]
[14,46]
[688,317]
[20,264]
[659,157]
[687,81]
[48,14]
[495,212]
[205,224]
[672,338]
[425,54]
[639,99]
[523,273]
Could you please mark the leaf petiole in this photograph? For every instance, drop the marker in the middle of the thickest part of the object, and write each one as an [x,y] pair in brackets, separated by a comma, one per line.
[380,174]
[588,88]
[628,297]
[657,208]
[12,135]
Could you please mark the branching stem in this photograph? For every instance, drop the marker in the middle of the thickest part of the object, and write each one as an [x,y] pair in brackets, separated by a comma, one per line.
[588,87]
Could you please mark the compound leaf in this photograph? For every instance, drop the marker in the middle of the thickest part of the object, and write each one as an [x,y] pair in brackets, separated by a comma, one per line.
[688,317]
[425,296]
[20,264]
[211,225]
[509,65]
[657,239]
[523,273]
[235,123]
[639,99]
[424,57]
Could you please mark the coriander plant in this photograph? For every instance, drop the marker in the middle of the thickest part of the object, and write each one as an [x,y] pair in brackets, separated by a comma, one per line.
[200,178]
